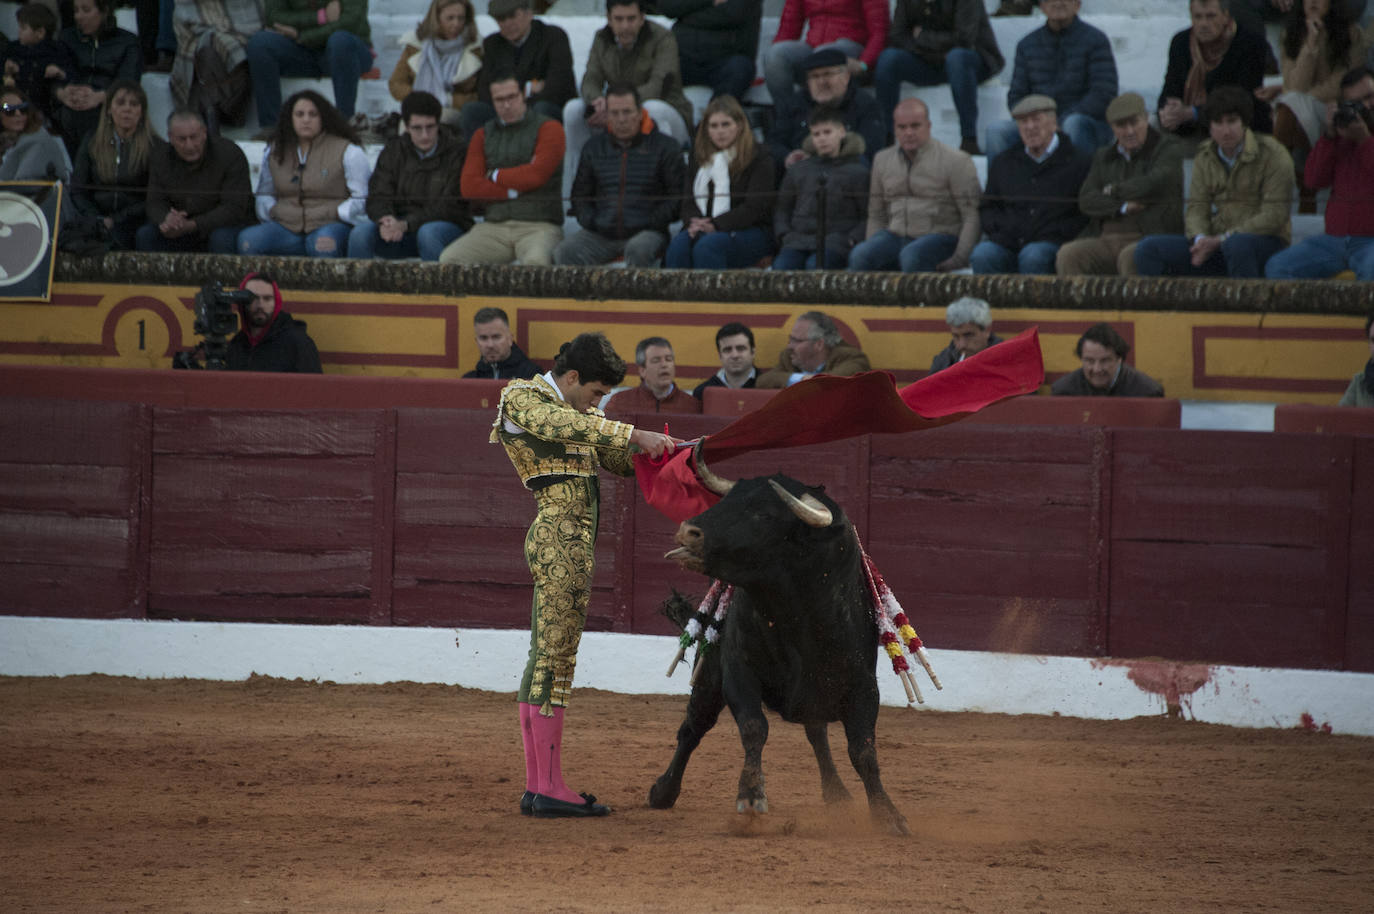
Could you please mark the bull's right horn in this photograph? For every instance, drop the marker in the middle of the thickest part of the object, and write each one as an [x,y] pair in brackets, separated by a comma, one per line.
[710,480]
[808,508]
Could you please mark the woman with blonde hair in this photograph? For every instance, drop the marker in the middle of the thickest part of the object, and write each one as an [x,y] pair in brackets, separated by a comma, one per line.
[442,57]
[110,177]
[727,207]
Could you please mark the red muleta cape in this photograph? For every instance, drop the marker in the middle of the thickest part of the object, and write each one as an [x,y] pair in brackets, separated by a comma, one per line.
[827,408]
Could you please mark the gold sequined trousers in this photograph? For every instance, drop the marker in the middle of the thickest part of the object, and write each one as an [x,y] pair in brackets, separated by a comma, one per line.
[560,549]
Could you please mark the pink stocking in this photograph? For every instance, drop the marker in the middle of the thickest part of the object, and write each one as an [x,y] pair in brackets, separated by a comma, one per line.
[547,733]
[527,739]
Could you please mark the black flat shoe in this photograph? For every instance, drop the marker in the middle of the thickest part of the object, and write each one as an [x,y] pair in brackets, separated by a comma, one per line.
[550,808]
[527,803]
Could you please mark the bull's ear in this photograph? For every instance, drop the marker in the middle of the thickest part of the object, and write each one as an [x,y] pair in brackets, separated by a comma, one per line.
[808,508]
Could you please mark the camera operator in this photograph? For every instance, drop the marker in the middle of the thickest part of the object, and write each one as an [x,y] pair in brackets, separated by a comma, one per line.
[1343,160]
[269,339]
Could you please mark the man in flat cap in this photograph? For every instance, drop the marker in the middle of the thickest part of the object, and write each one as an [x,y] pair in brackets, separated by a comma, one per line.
[1072,63]
[1030,203]
[828,84]
[1135,188]
[855,28]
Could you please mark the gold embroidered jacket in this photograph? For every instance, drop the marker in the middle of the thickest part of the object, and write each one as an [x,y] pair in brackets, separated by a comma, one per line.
[557,440]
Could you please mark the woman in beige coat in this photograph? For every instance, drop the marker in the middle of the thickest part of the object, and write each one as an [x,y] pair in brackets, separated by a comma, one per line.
[442,57]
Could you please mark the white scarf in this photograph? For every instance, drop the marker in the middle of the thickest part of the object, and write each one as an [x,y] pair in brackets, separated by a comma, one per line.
[711,186]
[438,65]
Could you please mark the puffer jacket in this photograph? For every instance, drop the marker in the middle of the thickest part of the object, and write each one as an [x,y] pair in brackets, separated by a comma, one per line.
[110,54]
[709,31]
[796,216]
[124,199]
[419,190]
[1074,67]
[623,189]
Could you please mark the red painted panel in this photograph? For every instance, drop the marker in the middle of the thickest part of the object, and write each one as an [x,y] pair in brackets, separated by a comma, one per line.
[1323,420]
[59,539]
[1243,604]
[247,576]
[1227,487]
[1122,412]
[436,553]
[259,433]
[1017,624]
[324,610]
[1359,631]
[449,441]
[457,500]
[79,591]
[987,572]
[79,490]
[720,401]
[81,432]
[483,605]
[217,482]
[987,523]
[965,440]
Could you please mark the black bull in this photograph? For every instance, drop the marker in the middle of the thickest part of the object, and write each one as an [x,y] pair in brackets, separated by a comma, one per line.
[799,636]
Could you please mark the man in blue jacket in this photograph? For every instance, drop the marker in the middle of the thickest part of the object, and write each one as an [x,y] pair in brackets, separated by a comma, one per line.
[1072,63]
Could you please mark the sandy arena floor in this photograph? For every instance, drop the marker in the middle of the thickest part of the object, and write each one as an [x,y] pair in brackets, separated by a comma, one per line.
[268,795]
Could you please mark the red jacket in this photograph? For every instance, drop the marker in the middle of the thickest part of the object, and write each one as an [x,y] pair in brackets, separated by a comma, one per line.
[864,21]
[1349,171]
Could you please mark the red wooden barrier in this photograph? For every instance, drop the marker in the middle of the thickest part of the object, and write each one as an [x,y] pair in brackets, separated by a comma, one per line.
[1323,420]
[1118,412]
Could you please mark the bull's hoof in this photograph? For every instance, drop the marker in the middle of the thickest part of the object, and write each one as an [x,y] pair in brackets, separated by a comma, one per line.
[890,819]
[756,805]
[663,795]
[835,792]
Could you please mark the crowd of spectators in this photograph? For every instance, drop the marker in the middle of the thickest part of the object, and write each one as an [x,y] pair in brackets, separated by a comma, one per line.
[843,174]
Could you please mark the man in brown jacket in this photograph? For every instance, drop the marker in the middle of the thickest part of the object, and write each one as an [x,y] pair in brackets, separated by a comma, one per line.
[814,346]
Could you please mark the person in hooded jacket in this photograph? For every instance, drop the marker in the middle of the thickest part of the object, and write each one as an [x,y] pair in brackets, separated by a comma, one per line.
[270,339]
[823,193]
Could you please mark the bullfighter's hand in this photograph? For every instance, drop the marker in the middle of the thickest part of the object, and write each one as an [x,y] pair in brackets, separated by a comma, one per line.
[653,443]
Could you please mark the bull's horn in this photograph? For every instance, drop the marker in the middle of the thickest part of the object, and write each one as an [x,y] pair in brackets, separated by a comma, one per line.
[710,480]
[808,508]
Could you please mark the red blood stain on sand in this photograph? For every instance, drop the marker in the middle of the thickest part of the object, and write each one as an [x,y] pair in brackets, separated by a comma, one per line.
[1174,682]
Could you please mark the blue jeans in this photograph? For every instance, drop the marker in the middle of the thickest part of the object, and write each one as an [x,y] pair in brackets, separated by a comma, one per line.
[1324,255]
[963,69]
[729,76]
[797,259]
[1036,257]
[1242,256]
[221,241]
[427,242]
[271,55]
[275,238]
[1086,132]
[718,250]
[887,251]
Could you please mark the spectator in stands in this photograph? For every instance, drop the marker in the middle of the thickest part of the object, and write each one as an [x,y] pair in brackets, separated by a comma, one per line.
[309,38]
[970,330]
[415,205]
[514,166]
[1238,201]
[210,71]
[442,57]
[828,84]
[502,358]
[1072,63]
[33,63]
[735,347]
[27,151]
[1320,43]
[814,346]
[103,53]
[270,339]
[727,208]
[822,208]
[922,201]
[855,28]
[1105,372]
[1134,189]
[1214,52]
[629,50]
[945,42]
[313,184]
[199,196]
[657,391]
[539,56]
[627,190]
[1342,159]
[1030,204]
[1361,389]
[717,42]
[109,191]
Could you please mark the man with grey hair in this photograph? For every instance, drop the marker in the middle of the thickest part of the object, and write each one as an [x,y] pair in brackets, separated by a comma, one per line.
[814,346]
[970,329]
[657,391]
[199,195]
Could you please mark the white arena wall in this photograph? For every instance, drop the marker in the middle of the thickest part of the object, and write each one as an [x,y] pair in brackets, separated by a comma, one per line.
[490,659]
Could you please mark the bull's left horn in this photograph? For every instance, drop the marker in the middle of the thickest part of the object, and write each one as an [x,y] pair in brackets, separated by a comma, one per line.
[710,480]
[808,508]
